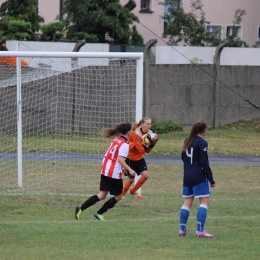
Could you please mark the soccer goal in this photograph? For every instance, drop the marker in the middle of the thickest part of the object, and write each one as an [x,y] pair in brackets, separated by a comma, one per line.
[53,106]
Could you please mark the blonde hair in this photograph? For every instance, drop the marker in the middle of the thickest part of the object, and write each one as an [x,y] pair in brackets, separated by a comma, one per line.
[142,121]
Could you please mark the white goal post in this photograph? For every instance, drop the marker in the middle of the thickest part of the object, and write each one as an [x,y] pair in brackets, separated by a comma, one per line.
[53,106]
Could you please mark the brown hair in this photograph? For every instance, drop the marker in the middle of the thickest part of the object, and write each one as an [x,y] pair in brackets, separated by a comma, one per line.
[197,128]
[137,124]
[117,130]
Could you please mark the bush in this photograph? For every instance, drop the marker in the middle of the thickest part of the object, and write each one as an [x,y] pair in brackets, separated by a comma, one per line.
[165,127]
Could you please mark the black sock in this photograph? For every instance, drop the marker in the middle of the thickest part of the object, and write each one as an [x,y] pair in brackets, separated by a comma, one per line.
[108,205]
[91,201]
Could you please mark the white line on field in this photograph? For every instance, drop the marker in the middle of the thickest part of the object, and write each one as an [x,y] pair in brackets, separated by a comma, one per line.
[122,220]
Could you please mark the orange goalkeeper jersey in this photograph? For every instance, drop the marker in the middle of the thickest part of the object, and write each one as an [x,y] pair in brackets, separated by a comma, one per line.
[136,148]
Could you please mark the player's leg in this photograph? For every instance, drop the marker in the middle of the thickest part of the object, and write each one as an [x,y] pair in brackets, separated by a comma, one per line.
[115,187]
[143,170]
[130,179]
[89,202]
[203,193]
[104,189]
[188,196]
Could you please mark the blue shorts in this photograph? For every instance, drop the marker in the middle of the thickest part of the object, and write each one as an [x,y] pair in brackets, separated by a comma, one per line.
[197,191]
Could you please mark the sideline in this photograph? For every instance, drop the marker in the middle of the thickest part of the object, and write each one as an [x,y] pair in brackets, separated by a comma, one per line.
[234,159]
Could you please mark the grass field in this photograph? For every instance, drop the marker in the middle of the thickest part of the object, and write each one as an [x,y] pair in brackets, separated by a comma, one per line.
[43,226]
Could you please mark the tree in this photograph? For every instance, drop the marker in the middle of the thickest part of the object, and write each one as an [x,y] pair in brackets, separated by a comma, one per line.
[108,20]
[189,28]
[136,38]
[19,19]
[232,37]
[52,31]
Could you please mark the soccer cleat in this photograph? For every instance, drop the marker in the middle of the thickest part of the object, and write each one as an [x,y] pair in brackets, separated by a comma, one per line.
[99,217]
[203,233]
[78,211]
[137,195]
[182,233]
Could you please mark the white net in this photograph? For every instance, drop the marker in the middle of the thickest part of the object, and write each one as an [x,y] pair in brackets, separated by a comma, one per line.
[65,102]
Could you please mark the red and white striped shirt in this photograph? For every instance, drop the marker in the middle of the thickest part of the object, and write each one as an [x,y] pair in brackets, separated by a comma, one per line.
[110,166]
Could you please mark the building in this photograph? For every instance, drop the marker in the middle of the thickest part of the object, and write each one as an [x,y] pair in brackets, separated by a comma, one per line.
[219,13]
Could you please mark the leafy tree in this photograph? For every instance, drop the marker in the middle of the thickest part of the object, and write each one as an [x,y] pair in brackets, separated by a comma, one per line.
[189,28]
[136,38]
[107,20]
[19,19]
[52,31]
[232,39]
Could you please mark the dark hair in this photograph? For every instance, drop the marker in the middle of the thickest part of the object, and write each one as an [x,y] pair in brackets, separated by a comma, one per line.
[197,128]
[117,130]
[137,124]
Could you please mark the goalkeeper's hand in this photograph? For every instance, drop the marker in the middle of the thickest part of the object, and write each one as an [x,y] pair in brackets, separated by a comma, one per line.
[153,140]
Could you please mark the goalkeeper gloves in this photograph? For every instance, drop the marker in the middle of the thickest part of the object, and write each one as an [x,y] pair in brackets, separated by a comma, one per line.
[153,140]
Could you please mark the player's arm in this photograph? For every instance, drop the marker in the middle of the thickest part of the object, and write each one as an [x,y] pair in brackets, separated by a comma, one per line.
[121,160]
[205,165]
[137,143]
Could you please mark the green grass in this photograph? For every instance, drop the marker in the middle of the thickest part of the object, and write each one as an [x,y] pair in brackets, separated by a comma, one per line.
[239,138]
[43,227]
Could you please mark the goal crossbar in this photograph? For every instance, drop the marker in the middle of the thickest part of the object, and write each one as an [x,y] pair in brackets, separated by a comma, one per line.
[126,55]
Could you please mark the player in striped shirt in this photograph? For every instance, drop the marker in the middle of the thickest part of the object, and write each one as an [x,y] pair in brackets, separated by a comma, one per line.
[113,166]
[196,179]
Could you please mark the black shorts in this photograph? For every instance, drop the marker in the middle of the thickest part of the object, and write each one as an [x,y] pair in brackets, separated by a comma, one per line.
[114,186]
[137,166]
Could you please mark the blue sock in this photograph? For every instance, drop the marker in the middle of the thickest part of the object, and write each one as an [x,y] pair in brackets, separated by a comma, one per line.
[184,215]
[201,217]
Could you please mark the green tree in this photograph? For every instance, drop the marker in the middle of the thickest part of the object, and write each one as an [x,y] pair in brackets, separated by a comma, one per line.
[232,34]
[136,38]
[52,31]
[19,19]
[108,20]
[189,28]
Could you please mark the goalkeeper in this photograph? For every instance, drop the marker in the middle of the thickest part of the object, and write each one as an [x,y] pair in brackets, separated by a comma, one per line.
[135,158]
[113,166]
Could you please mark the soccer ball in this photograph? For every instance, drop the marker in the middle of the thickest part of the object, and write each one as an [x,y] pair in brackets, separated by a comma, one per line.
[145,139]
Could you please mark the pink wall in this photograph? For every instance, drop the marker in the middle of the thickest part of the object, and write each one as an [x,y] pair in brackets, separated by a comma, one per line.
[221,12]
[218,12]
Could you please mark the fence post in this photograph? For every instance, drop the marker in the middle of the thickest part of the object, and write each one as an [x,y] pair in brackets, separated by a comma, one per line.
[217,83]
[146,95]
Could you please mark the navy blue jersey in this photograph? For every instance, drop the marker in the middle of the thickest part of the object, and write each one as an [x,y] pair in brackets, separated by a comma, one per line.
[196,163]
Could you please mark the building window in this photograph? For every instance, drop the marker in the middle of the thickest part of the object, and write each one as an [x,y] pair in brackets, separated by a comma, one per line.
[214,30]
[146,6]
[258,33]
[234,31]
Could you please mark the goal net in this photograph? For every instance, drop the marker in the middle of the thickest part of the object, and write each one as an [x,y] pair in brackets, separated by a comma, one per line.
[53,107]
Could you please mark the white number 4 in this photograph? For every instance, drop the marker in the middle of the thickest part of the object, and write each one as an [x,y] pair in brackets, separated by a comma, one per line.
[190,154]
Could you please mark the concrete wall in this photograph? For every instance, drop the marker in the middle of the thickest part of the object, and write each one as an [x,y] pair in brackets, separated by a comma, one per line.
[185,93]
[180,93]
[82,101]
[205,55]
